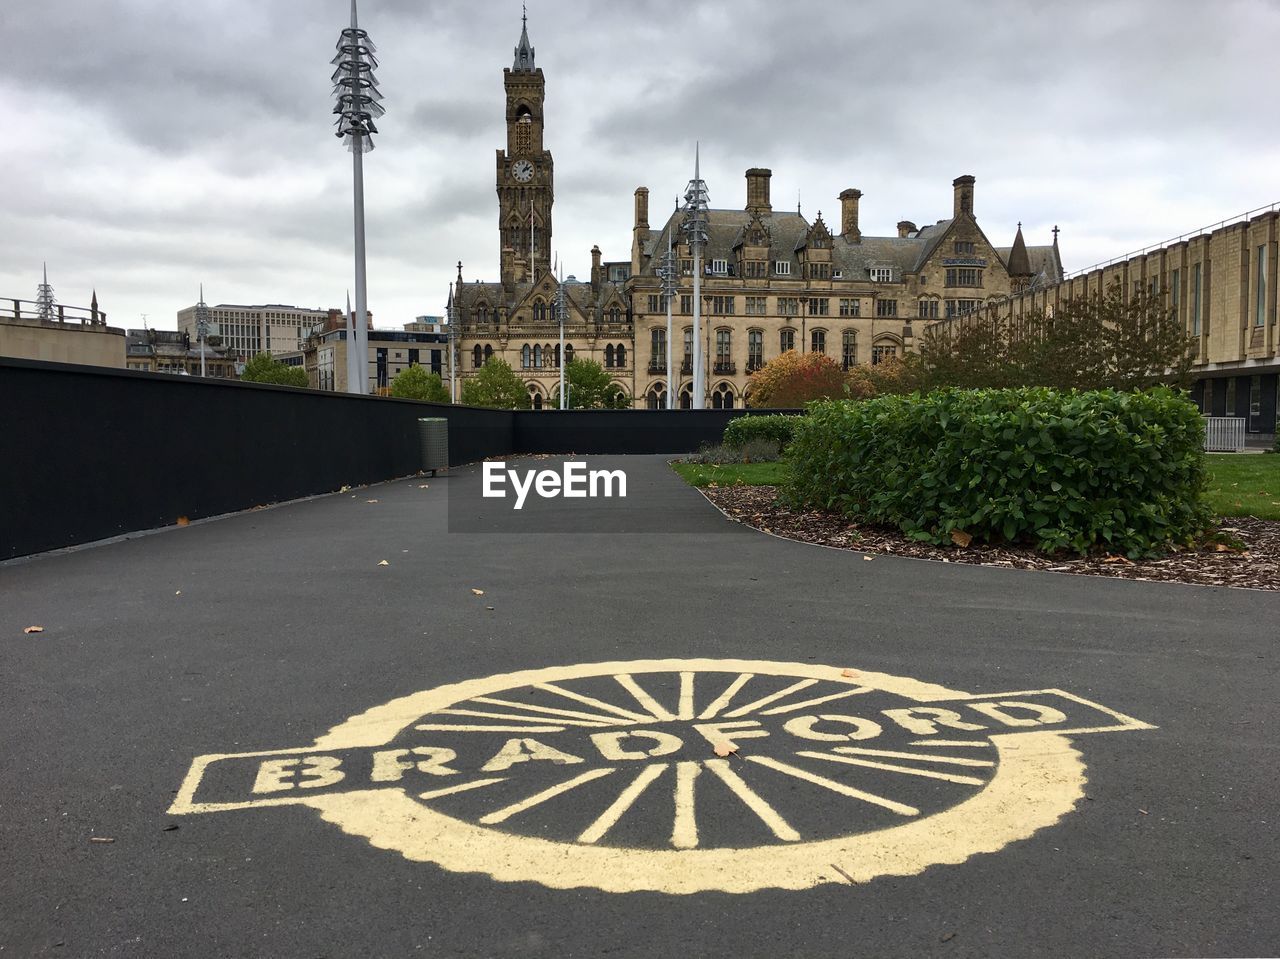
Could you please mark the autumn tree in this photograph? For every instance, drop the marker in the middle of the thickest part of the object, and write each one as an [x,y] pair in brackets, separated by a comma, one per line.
[496,385]
[415,383]
[1089,342]
[790,380]
[891,376]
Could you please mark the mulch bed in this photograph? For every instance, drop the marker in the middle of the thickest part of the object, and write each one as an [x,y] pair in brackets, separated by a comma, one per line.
[1256,566]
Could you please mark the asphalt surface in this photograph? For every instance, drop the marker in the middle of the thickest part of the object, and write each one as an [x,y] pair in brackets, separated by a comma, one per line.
[266,630]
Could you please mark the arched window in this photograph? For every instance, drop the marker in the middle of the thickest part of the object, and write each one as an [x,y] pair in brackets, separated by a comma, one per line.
[537,356]
[535,397]
[488,352]
[656,398]
[688,348]
[615,315]
[608,355]
[817,341]
[477,357]
[539,311]
[526,357]
[848,349]
[482,313]
[568,353]
[557,356]
[722,397]
[658,350]
[620,356]
[686,398]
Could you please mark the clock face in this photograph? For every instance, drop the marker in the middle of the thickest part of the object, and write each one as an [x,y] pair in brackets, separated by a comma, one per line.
[522,171]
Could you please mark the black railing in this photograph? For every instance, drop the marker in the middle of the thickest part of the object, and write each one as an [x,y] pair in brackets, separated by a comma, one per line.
[29,311]
[725,368]
[657,366]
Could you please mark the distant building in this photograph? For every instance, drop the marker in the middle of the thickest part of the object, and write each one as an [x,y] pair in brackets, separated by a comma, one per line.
[324,355]
[272,328]
[171,351]
[44,330]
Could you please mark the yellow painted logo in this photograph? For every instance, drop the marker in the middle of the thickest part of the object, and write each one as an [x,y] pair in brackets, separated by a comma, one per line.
[682,776]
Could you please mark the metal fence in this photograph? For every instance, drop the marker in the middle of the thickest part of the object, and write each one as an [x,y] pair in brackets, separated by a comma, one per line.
[1223,434]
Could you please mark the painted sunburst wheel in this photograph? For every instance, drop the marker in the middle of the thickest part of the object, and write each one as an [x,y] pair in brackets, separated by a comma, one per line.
[599,776]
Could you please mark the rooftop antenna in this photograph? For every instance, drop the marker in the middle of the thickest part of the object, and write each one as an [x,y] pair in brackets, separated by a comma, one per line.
[202,326]
[358,103]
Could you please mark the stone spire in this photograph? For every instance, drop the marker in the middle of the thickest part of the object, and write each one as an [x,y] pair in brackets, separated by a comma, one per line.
[524,52]
[1019,262]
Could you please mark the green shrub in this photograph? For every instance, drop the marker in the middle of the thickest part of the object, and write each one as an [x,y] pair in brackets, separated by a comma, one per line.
[1124,472]
[762,450]
[778,427]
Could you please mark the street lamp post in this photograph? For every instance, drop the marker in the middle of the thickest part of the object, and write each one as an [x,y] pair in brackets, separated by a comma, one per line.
[202,326]
[562,313]
[695,226]
[667,273]
[451,318]
[358,103]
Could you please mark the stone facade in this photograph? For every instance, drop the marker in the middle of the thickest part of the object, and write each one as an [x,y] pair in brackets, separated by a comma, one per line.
[1221,285]
[68,334]
[773,280]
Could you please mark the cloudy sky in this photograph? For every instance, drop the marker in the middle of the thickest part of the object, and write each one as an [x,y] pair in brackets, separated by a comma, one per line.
[154,145]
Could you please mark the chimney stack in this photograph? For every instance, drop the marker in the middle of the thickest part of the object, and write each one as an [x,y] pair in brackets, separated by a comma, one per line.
[642,208]
[906,228]
[758,190]
[596,272]
[849,215]
[963,186]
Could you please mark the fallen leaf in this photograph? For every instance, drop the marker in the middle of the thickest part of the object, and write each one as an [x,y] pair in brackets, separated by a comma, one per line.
[478,592]
[848,673]
[34,629]
[868,558]
[424,486]
[183,521]
[177,592]
[170,828]
[1144,812]
[489,607]
[961,538]
[384,563]
[725,749]
[948,937]
[1221,548]
[371,501]
[100,839]
[345,489]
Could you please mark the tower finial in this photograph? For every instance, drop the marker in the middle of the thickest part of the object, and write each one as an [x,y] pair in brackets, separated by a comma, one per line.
[353,15]
[1055,234]
[524,50]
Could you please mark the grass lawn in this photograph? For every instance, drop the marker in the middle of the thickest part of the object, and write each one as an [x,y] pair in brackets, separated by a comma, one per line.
[745,474]
[1244,485]
[1239,485]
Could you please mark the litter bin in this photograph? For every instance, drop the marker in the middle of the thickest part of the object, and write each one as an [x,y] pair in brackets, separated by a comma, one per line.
[433,438]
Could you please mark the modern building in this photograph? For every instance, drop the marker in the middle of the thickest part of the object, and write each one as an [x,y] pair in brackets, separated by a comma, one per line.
[171,351]
[515,317]
[773,280]
[1220,283]
[324,355]
[44,330]
[249,330]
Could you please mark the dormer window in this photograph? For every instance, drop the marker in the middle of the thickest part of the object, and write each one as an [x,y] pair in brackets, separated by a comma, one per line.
[881,274]
[782,267]
[719,267]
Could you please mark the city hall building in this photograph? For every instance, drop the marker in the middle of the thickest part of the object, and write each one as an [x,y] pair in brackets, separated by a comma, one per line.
[772,280]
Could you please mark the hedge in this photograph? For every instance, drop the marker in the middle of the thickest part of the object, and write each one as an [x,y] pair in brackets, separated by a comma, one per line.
[1123,472]
[779,427]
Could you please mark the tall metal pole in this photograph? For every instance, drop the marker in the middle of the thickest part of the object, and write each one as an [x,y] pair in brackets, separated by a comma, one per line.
[561,312]
[669,274]
[358,103]
[352,369]
[451,314]
[696,224]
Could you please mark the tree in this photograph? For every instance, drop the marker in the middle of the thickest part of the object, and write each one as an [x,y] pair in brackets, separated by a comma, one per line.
[496,385]
[264,368]
[891,376]
[1088,342]
[588,387]
[415,383]
[792,379]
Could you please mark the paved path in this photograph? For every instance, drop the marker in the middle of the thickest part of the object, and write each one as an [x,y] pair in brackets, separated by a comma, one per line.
[271,629]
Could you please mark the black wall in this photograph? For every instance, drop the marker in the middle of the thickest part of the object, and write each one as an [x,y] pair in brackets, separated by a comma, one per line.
[88,453]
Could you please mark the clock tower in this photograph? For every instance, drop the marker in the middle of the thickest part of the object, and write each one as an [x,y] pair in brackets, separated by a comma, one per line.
[524,168]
